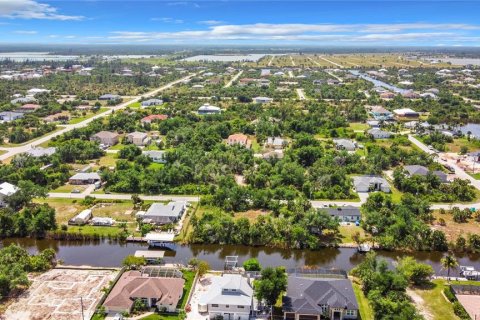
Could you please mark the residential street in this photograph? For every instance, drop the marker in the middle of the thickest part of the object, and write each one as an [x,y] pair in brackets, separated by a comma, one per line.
[123,196]
[229,84]
[16,150]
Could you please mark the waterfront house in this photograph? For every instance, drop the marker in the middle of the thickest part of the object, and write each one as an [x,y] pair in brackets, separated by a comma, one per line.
[313,298]
[370,183]
[230,296]
[105,138]
[162,293]
[160,213]
[82,218]
[345,214]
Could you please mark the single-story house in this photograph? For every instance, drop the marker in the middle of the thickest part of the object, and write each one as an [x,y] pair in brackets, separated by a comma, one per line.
[275,154]
[60,116]
[410,95]
[387,95]
[406,113]
[84,178]
[345,214]
[209,109]
[239,138]
[373,123]
[370,183]
[110,97]
[379,134]
[23,100]
[7,116]
[38,152]
[160,213]
[159,292]
[35,91]
[106,138]
[157,156]
[152,102]
[153,117]
[423,171]
[138,138]
[81,218]
[345,144]
[275,142]
[229,296]
[310,298]
[262,100]
[6,189]
[102,221]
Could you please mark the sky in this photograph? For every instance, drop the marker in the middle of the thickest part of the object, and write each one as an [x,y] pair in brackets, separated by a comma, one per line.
[242,22]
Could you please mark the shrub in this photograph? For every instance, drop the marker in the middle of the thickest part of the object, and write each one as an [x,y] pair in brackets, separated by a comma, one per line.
[449,294]
[460,311]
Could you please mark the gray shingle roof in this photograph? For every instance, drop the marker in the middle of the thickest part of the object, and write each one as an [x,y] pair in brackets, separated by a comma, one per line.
[307,295]
[344,211]
[416,169]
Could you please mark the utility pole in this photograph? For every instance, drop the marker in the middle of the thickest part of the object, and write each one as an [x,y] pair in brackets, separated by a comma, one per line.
[81,303]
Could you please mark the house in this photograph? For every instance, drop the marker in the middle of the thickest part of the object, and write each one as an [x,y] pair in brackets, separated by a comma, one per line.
[387,95]
[110,97]
[319,298]
[7,116]
[152,102]
[29,107]
[84,178]
[373,123]
[275,143]
[209,109]
[81,218]
[162,293]
[156,156]
[34,91]
[410,95]
[106,138]
[23,100]
[160,213]
[39,152]
[424,171]
[153,117]
[6,189]
[102,221]
[370,183]
[379,134]
[262,100]
[345,144]
[380,113]
[230,296]
[265,72]
[60,116]
[138,138]
[275,154]
[345,214]
[239,138]
[406,113]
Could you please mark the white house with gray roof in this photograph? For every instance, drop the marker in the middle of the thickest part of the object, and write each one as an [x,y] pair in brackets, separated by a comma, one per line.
[345,144]
[370,183]
[345,214]
[275,142]
[85,178]
[229,296]
[6,190]
[160,213]
[157,156]
[38,152]
[319,298]
[379,134]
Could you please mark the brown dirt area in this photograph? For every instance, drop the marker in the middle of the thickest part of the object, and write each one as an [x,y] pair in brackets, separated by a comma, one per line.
[452,229]
[56,294]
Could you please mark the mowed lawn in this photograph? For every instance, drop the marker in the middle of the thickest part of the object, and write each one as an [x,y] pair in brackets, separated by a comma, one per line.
[65,209]
[366,312]
[347,232]
[434,301]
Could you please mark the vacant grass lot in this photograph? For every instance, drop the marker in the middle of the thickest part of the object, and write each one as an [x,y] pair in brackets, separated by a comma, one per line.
[453,229]
[347,231]
[434,301]
[69,188]
[86,116]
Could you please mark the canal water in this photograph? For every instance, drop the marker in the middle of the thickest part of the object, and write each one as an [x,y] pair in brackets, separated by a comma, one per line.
[378,83]
[110,254]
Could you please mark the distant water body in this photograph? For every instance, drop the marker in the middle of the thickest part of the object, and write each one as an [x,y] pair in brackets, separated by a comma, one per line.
[226,58]
[35,56]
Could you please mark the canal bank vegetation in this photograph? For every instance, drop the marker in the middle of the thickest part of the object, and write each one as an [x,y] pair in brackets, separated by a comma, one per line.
[15,264]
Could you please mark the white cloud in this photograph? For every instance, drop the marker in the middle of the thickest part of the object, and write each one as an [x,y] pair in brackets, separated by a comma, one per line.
[26,32]
[322,33]
[210,22]
[31,9]
[183,3]
[168,20]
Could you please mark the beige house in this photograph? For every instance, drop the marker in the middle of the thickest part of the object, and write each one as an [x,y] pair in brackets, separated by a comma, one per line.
[138,138]
[239,138]
[155,292]
[106,138]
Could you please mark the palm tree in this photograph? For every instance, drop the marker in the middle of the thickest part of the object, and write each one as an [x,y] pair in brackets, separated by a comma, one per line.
[449,262]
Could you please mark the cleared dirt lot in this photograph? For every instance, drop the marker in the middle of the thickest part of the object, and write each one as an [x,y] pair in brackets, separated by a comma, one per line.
[55,295]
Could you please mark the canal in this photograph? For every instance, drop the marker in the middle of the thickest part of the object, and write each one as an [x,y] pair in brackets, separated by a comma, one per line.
[110,254]
[378,83]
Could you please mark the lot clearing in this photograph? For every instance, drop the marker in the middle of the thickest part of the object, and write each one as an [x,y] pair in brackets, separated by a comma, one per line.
[55,295]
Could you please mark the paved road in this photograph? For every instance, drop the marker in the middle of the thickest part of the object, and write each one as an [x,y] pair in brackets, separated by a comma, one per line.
[301,94]
[335,76]
[16,150]
[459,172]
[293,62]
[123,197]
[329,61]
[229,84]
[271,61]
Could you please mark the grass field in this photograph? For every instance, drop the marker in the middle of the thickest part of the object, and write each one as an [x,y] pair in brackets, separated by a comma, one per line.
[87,116]
[356,126]
[453,229]
[108,160]
[189,276]
[69,188]
[457,144]
[65,208]
[435,302]
[366,312]
[347,231]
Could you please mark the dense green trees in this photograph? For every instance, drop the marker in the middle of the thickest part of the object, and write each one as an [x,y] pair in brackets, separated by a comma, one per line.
[35,220]
[15,263]
[386,288]
[272,283]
